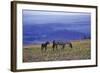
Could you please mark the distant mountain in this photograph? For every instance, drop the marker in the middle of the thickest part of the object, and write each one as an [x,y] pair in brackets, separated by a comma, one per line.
[65,35]
[37,34]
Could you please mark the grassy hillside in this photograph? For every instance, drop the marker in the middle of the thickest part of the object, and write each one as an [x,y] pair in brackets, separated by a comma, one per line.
[81,50]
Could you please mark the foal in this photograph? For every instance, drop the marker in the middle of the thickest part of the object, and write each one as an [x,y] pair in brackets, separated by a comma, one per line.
[44,46]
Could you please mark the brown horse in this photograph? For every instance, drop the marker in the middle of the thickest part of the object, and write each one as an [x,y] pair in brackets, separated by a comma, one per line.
[44,46]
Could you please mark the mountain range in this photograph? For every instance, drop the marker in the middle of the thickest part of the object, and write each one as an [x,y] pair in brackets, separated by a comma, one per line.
[41,33]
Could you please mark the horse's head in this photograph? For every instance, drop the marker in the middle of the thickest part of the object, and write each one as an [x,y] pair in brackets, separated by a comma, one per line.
[47,42]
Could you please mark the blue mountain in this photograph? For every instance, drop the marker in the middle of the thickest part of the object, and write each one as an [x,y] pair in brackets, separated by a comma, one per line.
[38,34]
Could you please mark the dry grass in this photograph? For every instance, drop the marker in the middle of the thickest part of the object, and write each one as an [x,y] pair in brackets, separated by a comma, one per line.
[81,50]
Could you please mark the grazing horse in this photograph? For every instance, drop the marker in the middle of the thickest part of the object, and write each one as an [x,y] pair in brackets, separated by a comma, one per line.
[62,44]
[44,46]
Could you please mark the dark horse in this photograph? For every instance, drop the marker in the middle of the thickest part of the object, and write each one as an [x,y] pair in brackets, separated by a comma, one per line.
[54,45]
[62,44]
[44,46]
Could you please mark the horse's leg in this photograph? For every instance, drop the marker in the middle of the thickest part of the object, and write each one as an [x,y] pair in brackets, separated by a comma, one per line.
[45,48]
[41,48]
[71,45]
[53,46]
[63,46]
[56,47]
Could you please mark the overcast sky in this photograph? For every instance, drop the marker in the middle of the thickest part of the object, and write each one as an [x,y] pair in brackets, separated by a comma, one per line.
[67,20]
[43,17]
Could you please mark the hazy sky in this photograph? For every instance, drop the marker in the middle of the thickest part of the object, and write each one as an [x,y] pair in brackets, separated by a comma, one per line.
[66,20]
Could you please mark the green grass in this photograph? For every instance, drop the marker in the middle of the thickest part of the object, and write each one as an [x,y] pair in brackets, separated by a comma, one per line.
[81,50]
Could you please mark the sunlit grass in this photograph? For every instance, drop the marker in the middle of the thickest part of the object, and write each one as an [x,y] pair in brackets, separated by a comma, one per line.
[81,50]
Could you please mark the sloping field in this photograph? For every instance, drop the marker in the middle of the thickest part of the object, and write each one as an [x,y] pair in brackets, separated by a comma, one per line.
[81,50]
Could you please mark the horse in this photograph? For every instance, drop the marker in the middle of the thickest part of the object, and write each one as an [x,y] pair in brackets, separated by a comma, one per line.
[60,43]
[44,46]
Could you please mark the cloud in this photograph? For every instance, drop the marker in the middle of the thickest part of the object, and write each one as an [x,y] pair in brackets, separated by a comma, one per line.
[44,17]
